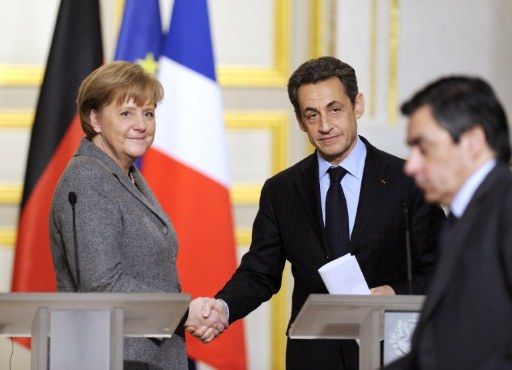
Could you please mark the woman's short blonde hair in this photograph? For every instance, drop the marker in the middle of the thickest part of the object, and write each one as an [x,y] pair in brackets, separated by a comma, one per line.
[116,81]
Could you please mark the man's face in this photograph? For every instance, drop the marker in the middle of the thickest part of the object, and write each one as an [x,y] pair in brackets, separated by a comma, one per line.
[437,164]
[329,118]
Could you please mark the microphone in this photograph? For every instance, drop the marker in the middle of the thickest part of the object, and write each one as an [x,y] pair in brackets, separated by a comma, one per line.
[72,198]
[408,245]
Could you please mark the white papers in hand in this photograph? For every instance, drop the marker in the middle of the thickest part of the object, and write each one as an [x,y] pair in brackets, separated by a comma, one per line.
[344,276]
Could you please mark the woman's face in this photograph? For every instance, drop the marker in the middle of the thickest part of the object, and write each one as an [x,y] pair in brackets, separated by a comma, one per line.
[124,131]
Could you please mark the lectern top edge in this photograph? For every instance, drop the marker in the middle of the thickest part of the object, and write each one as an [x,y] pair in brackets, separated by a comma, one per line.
[400,302]
[102,297]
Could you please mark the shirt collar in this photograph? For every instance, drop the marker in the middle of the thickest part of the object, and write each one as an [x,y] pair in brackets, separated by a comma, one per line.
[466,192]
[354,163]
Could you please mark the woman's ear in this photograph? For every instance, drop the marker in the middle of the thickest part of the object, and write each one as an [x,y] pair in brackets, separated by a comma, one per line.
[95,122]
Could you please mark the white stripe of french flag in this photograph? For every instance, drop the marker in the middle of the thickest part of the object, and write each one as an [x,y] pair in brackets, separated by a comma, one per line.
[193,132]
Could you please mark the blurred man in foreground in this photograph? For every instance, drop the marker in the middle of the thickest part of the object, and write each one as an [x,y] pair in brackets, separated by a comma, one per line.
[459,140]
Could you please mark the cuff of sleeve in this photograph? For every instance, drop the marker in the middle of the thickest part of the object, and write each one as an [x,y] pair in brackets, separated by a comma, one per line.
[226,307]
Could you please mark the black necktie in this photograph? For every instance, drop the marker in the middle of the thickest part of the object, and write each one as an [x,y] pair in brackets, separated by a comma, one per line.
[447,228]
[336,215]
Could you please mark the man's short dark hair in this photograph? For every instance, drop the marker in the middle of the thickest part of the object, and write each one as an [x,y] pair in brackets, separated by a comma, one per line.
[459,103]
[321,69]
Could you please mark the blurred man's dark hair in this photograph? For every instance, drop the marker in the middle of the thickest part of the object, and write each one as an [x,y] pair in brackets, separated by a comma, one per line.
[459,103]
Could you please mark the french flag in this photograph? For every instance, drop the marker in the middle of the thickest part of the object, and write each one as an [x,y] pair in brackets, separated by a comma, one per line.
[187,169]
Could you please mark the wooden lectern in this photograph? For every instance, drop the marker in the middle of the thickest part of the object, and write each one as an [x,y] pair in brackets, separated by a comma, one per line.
[86,330]
[325,316]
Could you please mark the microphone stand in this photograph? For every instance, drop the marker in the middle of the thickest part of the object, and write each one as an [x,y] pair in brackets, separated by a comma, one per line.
[408,246]
[72,200]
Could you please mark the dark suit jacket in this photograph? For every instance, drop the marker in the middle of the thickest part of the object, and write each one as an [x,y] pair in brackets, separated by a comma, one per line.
[289,226]
[466,322]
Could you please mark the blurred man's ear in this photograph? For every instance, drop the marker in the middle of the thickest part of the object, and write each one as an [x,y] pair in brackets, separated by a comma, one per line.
[474,141]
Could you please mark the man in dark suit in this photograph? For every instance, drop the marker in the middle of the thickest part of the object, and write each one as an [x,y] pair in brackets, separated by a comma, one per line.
[374,195]
[459,140]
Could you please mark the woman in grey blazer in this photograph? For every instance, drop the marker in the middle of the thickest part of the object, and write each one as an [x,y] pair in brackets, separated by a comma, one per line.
[126,242]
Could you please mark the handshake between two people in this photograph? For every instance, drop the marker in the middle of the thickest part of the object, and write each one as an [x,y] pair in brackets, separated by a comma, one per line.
[207,318]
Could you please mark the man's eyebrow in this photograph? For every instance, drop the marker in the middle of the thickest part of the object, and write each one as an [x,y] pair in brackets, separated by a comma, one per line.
[310,109]
[415,141]
[333,103]
[329,105]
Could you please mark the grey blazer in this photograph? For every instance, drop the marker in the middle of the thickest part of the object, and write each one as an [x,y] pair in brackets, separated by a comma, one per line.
[126,243]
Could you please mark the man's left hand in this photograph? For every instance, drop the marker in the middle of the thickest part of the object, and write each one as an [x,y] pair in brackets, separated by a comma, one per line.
[382,290]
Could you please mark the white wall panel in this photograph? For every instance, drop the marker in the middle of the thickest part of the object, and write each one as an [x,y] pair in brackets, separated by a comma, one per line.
[243,31]
[250,155]
[27,27]
[13,166]
[435,38]
[459,36]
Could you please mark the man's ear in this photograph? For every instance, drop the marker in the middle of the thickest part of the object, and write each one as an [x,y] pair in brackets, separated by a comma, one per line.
[299,120]
[359,105]
[474,141]
[94,120]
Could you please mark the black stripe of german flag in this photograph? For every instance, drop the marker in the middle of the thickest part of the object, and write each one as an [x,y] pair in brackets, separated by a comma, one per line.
[76,50]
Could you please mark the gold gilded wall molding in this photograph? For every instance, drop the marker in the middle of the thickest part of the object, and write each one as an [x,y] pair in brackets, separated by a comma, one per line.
[277,74]
[118,15]
[243,236]
[317,33]
[7,238]
[250,77]
[21,75]
[322,36]
[241,194]
[372,101]
[16,119]
[394,38]
[10,194]
[245,194]
[276,122]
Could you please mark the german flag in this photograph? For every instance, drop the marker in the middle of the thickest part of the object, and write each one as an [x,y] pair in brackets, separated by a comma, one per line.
[76,50]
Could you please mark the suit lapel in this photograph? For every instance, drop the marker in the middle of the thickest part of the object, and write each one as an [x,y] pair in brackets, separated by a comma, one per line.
[377,179]
[148,196]
[454,244]
[88,148]
[447,260]
[144,196]
[308,189]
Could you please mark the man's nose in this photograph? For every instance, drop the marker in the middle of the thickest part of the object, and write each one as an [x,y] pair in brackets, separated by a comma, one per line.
[325,125]
[412,163]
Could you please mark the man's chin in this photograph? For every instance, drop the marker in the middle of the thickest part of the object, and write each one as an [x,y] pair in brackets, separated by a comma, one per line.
[432,197]
[332,154]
